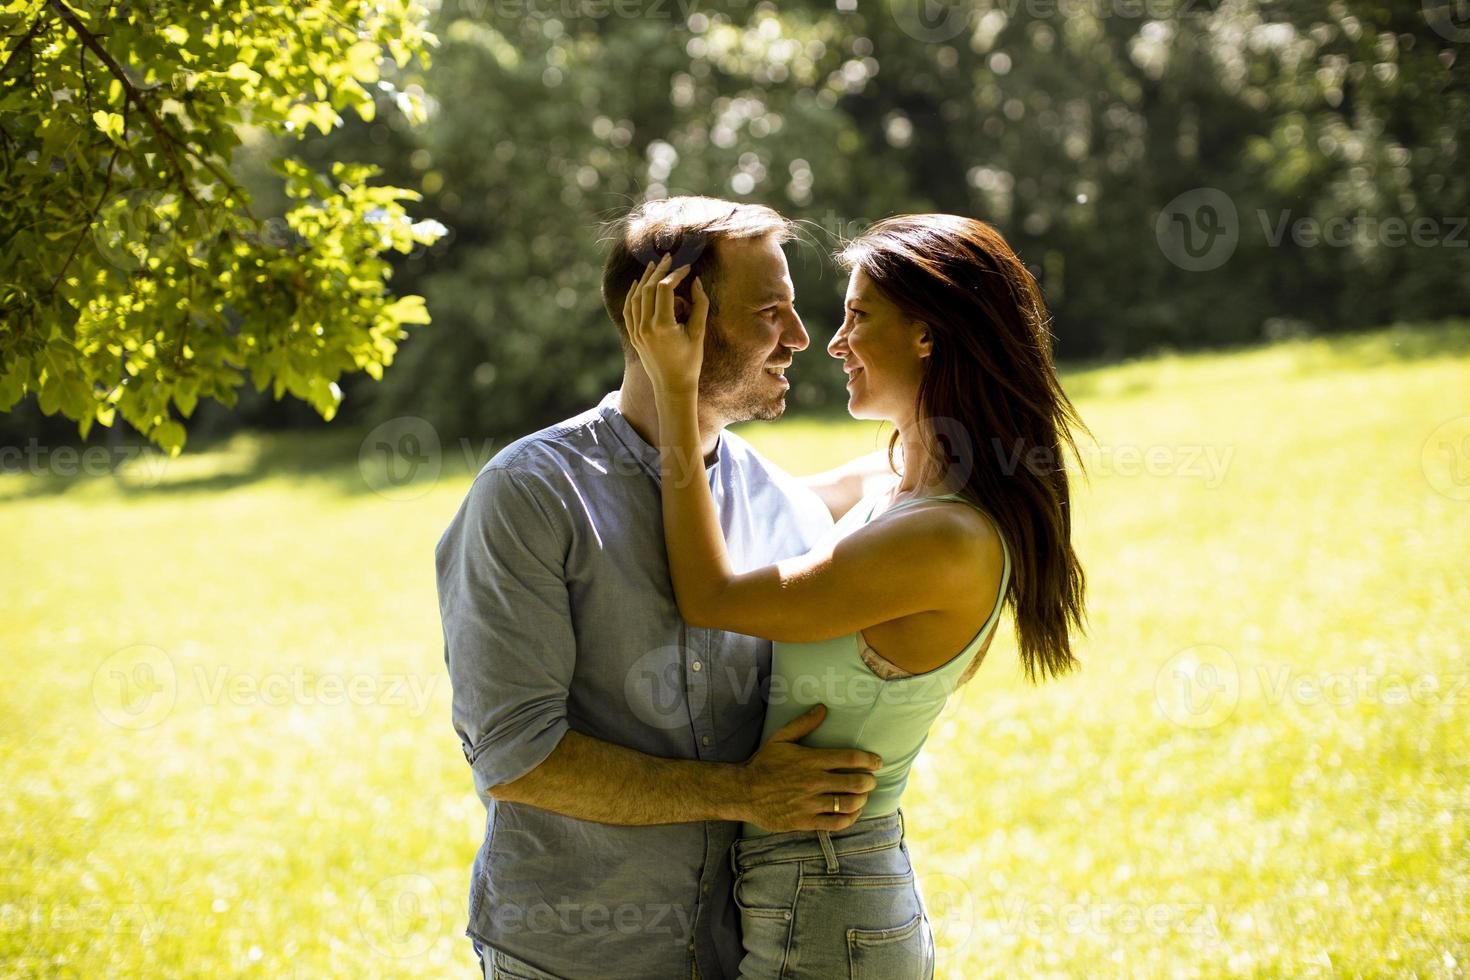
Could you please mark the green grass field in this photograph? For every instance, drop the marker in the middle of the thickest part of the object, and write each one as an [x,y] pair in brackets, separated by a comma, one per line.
[226,747]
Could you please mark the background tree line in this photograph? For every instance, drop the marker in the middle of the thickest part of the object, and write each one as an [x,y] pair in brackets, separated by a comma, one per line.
[1071,126]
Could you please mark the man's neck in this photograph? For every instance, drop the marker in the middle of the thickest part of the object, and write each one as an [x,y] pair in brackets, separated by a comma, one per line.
[636,402]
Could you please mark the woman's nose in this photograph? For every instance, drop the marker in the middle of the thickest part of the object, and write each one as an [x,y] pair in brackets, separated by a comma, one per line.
[838,344]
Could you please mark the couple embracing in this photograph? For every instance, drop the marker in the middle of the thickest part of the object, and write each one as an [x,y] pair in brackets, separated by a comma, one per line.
[737,835]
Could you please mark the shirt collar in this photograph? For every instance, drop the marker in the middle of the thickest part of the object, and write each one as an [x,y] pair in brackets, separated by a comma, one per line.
[646,455]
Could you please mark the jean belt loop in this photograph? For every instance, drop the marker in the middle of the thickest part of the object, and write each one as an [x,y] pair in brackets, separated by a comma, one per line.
[902,834]
[825,839]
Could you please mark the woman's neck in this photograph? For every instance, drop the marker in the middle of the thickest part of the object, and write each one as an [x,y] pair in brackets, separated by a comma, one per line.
[921,476]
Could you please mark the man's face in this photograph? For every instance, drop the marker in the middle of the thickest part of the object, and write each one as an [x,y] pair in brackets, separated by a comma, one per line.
[754,335]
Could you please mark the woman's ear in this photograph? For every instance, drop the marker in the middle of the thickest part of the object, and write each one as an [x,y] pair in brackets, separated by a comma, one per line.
[681,309]
[923,339]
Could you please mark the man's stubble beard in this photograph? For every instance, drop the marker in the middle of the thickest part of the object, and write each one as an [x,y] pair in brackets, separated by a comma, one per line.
[727,389]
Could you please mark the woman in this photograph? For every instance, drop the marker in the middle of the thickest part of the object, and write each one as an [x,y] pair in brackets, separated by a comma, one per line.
[945,337]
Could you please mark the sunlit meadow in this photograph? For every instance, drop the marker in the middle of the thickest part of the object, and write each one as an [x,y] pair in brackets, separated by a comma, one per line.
[226,747]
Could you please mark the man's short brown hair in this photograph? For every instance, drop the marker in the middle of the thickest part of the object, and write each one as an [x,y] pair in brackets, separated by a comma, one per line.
[688,227]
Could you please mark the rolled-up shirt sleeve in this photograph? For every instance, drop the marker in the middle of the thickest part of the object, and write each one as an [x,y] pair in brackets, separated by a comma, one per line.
[508,638]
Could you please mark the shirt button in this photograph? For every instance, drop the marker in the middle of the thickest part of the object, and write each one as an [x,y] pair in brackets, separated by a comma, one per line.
[695,666]
[704,739]
[691,947]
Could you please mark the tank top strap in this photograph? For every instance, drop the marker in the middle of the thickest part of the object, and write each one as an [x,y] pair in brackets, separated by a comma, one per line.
[905,503]
[960,661]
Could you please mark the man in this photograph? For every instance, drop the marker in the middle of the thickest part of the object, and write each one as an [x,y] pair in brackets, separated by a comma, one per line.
[614,745]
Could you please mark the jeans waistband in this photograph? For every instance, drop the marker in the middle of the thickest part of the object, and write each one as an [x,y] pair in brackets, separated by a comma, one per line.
[870,834]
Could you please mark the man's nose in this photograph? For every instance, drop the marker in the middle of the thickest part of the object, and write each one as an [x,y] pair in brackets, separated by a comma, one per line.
[794,335]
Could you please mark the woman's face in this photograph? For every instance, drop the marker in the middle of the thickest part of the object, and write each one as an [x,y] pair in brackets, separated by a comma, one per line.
[882,352]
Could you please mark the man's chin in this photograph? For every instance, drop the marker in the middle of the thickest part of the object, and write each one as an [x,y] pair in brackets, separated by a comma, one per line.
[767,409]
[772,412]
[748,406]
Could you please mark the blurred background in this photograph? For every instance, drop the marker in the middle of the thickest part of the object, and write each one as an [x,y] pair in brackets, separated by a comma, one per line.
[227,748]
[1310,154]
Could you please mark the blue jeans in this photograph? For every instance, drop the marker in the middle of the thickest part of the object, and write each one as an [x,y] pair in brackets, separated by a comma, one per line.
[831,905]
[502,966]
[496,965]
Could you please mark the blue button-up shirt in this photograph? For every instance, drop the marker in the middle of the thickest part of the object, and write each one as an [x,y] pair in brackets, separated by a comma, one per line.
[559,613]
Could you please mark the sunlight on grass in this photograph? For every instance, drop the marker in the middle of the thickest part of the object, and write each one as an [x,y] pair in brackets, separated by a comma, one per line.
[228,749]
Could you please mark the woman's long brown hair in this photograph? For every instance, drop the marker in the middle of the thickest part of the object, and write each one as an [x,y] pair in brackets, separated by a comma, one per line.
[998,418]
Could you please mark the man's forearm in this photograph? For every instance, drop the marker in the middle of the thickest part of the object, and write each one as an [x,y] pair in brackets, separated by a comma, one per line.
[842,487]
[587,778]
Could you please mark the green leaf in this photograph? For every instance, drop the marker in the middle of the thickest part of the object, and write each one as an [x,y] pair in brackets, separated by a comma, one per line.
[242,72]
[50,394]
[12,386]
[407,309]
[362,61]
[186,396]
[170,436]
[110,123]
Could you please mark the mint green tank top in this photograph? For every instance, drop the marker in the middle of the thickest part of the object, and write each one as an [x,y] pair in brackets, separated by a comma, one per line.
[890,718]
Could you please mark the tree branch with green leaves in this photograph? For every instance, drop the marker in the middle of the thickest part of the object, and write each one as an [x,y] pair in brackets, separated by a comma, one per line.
[134,277]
